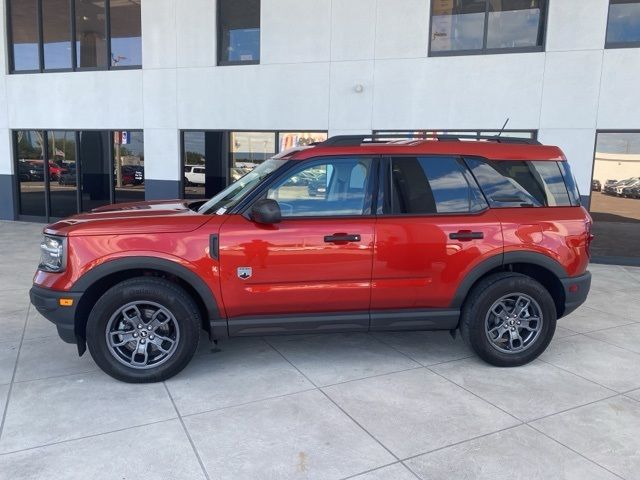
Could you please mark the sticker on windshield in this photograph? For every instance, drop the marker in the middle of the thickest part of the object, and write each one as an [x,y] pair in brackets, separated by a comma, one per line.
[221,211]
[244,273]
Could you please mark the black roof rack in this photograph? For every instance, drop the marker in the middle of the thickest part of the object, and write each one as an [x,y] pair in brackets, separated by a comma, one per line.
[352,140]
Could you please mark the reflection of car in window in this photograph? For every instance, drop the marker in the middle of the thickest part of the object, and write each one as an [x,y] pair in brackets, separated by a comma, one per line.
[194,175]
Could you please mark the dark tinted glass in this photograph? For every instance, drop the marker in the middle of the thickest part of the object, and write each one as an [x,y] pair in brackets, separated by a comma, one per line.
[62,163]
[239,31]
[457,25]
[24,35]
[429,185]
[624,22]
[126,37]
[91,36]
[94,168]
[128,154]
[333,187]
[516,183]
[570,182]
[514,23]
[56,32]
[30,172]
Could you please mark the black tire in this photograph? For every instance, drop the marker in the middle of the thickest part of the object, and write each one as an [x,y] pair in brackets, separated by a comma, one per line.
[173,298]
[477,306]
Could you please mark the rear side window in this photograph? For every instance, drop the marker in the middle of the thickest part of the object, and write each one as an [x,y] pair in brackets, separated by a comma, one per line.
[570,182]
[430,185]
[521,183]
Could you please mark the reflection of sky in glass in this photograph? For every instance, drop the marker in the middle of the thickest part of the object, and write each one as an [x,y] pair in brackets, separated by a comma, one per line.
[457,32]
[57,55]
[618,143]
[194,142]
[448,186]
[244,44]
[25,56]
[126,51]
[513,28]
[624,23]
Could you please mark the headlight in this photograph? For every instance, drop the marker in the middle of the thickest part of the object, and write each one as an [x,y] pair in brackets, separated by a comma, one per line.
[53,254]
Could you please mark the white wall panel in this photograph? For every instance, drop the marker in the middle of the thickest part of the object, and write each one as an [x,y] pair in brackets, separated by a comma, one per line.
[159,97]
[353,25]
[458,92]
[196,33]
[254,97]
[350,109]
[577,25]
[402,28]
[620,89]
[159,33]
[571,86]
[295,31]
[76,100]
[162,154]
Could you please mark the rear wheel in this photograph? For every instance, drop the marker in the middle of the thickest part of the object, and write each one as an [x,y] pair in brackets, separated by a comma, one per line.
[143,330]
[508,319]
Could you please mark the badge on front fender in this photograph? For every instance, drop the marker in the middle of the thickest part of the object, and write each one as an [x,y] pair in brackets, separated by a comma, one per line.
[244,273]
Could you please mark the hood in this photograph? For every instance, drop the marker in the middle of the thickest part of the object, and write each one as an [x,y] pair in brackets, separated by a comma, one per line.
[167,216]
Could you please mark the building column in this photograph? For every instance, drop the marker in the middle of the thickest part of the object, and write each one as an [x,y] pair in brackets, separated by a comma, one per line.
[8,191]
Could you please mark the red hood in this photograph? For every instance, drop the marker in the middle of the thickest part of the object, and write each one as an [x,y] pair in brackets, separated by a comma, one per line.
[132,218]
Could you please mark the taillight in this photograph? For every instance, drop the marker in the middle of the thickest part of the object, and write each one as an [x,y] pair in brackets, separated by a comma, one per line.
[587,225]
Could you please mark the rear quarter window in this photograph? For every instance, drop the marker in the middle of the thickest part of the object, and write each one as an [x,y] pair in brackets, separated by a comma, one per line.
[511,183]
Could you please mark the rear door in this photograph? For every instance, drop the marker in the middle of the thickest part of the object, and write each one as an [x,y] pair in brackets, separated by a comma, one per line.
[311,271]
[433,227]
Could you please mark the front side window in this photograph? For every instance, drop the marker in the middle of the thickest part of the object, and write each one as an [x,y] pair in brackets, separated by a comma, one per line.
[431,185]
[334,187]
[519,183]
[238,32]
[477,26]
[50,35]
[623,27]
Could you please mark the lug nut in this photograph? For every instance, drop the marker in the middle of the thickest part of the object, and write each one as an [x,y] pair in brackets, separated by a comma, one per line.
[512,329]
[142,341]
[140,326]
[135,335]
[149,327]
[518,322]
[151,337]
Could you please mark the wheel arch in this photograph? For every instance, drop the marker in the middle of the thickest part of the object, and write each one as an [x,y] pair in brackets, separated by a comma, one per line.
[99,279]
[538,266]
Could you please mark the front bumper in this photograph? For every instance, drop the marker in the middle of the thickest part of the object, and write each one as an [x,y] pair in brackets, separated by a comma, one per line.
[576,290]
[46,302]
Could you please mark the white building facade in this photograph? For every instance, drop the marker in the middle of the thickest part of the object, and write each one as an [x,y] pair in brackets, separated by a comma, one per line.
[334,66]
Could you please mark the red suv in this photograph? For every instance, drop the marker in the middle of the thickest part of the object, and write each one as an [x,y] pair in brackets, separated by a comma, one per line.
[487,237]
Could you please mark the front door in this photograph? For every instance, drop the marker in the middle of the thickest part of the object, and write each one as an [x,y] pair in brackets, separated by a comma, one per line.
[311,271]
[433,229]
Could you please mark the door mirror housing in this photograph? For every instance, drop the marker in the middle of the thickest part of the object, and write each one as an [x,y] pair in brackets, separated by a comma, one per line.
[266,211]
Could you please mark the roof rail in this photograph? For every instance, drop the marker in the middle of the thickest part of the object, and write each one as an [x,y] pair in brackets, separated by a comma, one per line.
[353,140]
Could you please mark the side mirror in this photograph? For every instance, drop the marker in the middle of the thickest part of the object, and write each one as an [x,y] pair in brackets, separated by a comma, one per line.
[266,211]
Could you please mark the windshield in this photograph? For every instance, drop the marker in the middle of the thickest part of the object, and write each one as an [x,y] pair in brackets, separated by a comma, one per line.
[231,195]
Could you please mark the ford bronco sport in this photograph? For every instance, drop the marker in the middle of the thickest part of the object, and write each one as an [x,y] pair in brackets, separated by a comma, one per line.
[485,237]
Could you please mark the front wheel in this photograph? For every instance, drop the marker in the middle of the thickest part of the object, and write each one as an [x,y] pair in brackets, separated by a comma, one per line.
[143,330]
[508,319]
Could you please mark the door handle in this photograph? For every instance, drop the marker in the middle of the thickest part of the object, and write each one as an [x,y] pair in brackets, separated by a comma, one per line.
[466,235]
[342,238]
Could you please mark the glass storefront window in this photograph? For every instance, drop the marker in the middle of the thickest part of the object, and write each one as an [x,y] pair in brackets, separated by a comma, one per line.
[128,155]
[95,163]
[615,195]
[63,183]
[126,35]
[476,26]
[56,32]
[24,35]
[623,26]
[30,172]
[91,34]
[238,31]
[288,140]
[249,149]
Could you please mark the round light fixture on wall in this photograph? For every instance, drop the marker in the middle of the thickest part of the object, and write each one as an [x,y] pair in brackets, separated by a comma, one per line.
[358,88]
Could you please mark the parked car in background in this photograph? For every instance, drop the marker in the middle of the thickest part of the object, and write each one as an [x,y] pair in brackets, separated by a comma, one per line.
[634,192]
[596,186]
[431,234]
[56,169]
[317,188]
[618,188]
[30,171]
[626,190]
[194,175]
[69,177]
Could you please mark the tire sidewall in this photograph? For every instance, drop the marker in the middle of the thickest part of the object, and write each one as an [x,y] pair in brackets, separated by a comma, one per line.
[476,313]
[170,297]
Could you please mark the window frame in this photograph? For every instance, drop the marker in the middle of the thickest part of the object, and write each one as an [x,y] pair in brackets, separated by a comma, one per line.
[219,35]
[73,52]
[542,34]
[385,186]
[614,45]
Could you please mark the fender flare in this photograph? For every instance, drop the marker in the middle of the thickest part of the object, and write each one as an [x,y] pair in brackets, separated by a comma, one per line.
[498,261]
[110,267]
